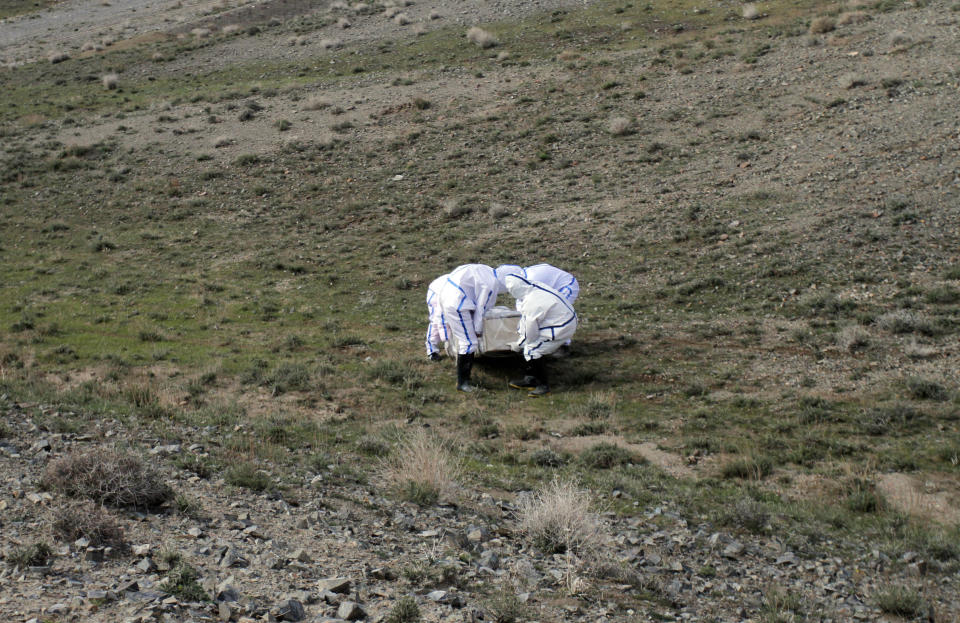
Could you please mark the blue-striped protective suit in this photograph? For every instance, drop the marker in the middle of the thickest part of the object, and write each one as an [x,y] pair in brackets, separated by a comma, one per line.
[469,291]
[436,328]
[560,280]
[548,319]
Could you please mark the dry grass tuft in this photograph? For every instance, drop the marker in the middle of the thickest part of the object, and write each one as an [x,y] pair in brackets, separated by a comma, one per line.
[316,103]
[481,38]
[435,15]
[110,81]
[107,477]
[222,141]
[558,519]
[89,521]
[853,17]
[343,22]
[57,56]
[620,126]
[200,33]
[853,339]
[401,19]
[750,11]
[915,350]
[454,208]
[423,469]
[822,25]
[330,44]
[391,11]
[231,29]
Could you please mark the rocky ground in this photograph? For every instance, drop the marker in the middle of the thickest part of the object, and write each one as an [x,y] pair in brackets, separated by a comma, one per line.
[329,551]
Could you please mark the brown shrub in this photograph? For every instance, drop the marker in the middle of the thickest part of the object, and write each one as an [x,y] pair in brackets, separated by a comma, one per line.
[89,521]
[108,477]
[821,25]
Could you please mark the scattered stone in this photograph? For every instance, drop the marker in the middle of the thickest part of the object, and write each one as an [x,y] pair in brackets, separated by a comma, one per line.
[290,610]
[733,550]
[334,585]
[302,556]
[351,611]
[145,565]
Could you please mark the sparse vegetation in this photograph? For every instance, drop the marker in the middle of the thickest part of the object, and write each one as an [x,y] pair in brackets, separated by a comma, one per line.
[558,518]
[88,521]
[423,469]
[110,477]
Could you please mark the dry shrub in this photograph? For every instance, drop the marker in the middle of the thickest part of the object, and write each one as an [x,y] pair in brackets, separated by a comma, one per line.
[88,46]
[558,519]
[853,17]
[222,141]
[200,33]
[391,11]
[435,14]
[454,208]
[89,521]
[853,338]
[57,56]
[750,11]
[568,55]
[330,44]
[401,19]
[481,38]
[110,81]
[423,469]
[108,477]
[316,103]
[343,22]
[822,25]
[620,126]
[231,29]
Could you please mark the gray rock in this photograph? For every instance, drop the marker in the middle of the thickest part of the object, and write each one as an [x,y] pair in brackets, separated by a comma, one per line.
[437,596]
[334,585]
[227,592]
[233,558]
[489,559]
[227,611]
[351,611]
[733,550]
[145,565]
[302,556]
[291,610]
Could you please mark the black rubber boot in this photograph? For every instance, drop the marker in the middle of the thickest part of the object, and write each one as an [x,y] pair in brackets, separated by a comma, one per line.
[464,366]
[538,368]
[529,380]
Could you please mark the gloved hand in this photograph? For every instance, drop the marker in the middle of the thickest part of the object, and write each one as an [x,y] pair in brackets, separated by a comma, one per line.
[515,346]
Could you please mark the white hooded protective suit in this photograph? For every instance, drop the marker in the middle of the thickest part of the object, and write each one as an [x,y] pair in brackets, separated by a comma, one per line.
[470,290]
[436,329]
[547,321]
[507,269]
[560,280]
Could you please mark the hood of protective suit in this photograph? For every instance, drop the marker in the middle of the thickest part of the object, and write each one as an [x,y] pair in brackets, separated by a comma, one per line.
[505,270]
[518,287]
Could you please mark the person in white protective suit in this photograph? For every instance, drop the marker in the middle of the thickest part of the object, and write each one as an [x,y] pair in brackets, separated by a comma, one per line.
[547,321]
[436,328]
[466,295]
[560,280]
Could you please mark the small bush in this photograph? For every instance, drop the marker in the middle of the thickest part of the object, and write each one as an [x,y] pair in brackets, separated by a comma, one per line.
[89,521]
[181,581]
[110,81]
[454,208]
[620,126]
[863,497]
[34,555]
[925,389]
[423,469]
[853,17]
[853,339]
[900,601]
[57,56]
[558,519]
[283,125]
[822,25]
[904,321]
[406,611]
[754,468]
[481,38]
[545,457]
[107,477]
[248,476]
[606,455]
[943,295]
[373,446]
[505,607]
[748,514]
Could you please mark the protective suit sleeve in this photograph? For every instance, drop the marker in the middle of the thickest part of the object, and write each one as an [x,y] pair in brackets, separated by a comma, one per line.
[484,298]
